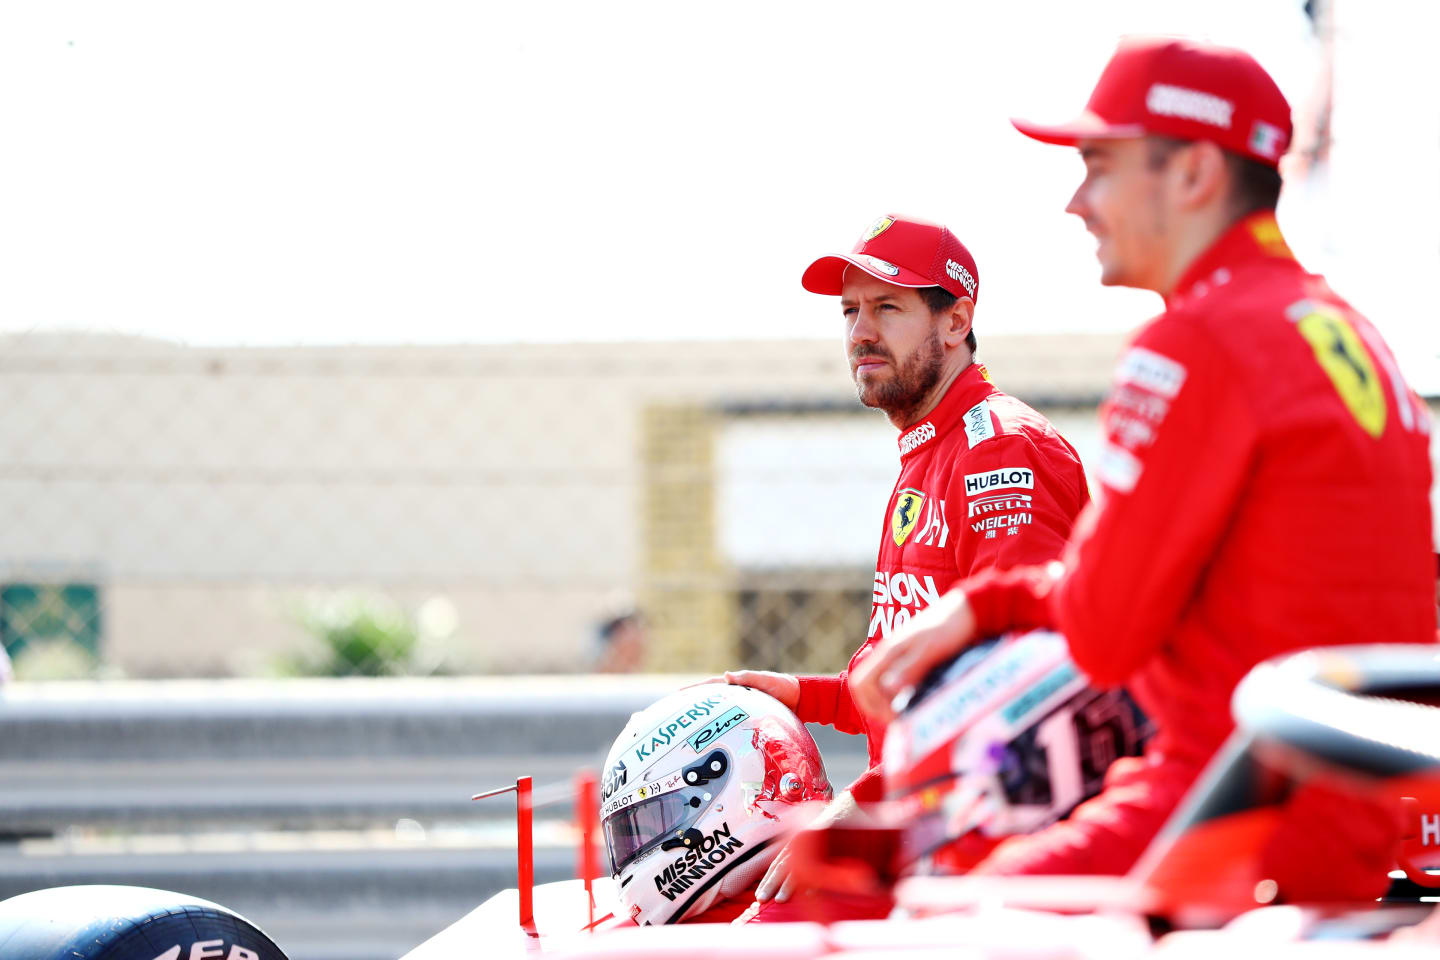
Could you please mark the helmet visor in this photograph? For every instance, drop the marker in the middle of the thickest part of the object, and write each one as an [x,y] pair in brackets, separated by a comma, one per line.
[670,805]
[635,828]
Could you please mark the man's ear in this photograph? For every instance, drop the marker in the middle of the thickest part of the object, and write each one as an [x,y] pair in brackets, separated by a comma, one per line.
[957,323]
[1200,175]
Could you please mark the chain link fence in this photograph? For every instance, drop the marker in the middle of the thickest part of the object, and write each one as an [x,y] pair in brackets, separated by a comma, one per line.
[178,511]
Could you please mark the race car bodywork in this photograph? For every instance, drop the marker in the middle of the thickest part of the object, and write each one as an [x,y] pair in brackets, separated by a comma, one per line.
[1285,842]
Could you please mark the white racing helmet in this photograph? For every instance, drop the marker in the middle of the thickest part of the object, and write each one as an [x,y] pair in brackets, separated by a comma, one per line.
[1005,739]
[700,791]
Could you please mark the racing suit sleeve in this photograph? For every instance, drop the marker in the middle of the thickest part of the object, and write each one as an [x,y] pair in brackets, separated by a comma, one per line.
[826,699]
[1178,444]
[1180,439]
[1015,505]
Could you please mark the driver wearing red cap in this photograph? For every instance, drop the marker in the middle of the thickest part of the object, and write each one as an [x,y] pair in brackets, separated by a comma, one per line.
[1265,475]
[985,481]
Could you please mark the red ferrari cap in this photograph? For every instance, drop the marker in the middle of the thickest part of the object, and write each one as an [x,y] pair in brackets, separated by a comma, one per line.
[904,251]
[1183,89]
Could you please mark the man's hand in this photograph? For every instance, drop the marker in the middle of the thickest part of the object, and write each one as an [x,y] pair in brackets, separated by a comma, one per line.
[781,686]
[778,882]
[897,663]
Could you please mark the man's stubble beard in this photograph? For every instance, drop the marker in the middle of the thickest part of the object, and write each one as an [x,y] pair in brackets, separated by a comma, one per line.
[903,396]
[1146,214]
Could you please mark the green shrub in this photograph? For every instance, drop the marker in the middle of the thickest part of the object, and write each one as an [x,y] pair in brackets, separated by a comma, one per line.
[355,635]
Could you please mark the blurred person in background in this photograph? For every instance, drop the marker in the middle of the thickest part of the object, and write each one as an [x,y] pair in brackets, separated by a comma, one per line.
[622,644]
[1264,485]
[985,481]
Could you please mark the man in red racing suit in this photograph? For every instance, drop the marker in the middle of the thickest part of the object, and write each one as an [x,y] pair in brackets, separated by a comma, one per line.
[985,481]
[1265,476]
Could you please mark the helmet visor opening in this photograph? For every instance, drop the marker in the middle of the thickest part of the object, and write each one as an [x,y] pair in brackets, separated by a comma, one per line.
[634,829]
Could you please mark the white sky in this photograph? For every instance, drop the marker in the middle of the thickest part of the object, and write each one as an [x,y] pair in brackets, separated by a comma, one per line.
[280,172]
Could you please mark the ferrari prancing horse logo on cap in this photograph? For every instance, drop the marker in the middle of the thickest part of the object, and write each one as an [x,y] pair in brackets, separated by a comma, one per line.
[877,228]
[907,512]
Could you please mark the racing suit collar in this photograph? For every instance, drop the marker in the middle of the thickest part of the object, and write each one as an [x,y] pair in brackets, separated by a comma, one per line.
[1249,238]
[972,386]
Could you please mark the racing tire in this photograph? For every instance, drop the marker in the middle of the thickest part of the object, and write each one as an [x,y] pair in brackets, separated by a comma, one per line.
[104,922]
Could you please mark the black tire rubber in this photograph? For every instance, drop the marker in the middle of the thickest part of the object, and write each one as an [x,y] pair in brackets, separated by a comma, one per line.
[126,923]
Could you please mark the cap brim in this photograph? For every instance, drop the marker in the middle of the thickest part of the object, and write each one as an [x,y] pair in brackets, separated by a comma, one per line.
[826,276]
[1087,126]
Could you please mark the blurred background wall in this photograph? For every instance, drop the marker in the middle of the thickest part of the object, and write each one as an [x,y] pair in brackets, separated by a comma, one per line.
[187,511]
[178,505]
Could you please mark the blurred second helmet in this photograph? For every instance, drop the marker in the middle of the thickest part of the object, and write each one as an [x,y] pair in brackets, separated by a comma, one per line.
[699,793]
[1005,739]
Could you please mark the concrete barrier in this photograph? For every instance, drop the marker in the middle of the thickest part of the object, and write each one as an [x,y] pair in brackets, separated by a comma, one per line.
[307,752]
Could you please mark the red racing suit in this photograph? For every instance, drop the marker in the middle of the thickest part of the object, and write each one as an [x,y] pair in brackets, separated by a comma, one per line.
[985,482]
[1264,488]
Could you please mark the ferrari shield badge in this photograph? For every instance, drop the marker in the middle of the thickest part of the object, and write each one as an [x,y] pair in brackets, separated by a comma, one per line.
[877,228]
[1340,354]
[907,512]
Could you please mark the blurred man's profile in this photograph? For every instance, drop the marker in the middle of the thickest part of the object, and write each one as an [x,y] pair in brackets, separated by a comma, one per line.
[622,644]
